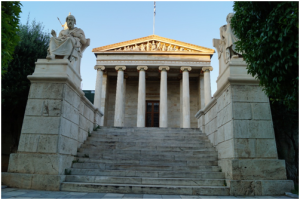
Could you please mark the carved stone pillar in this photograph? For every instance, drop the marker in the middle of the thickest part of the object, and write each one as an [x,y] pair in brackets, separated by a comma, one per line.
[186,97]
[98,87]
[207,90]
[119,114]
[163,107]
[141,96]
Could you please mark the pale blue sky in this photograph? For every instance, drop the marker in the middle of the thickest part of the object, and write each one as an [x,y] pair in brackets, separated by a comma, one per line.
[109,22]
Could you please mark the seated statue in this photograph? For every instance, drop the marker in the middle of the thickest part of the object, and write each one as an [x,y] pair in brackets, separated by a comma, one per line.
[70,44]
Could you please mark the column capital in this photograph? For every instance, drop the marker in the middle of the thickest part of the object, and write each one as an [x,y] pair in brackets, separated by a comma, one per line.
[101,67]
[161,68]
[142,68]
[120,67]
[207,69]
[187,68]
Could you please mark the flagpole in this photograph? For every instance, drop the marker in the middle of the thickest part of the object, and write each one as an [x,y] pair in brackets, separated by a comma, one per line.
[154,18]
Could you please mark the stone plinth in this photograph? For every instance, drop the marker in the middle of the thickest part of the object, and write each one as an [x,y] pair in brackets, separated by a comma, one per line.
[57,120]
[238,122]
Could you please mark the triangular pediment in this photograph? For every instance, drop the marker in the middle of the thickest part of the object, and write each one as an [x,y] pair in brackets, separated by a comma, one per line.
[154,43]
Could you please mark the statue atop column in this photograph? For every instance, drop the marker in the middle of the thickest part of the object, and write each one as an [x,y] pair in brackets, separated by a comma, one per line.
[227,46]
[69,44]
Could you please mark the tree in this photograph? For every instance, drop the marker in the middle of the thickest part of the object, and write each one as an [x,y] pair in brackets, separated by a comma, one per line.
[33,45]
[268,33]
[10,14]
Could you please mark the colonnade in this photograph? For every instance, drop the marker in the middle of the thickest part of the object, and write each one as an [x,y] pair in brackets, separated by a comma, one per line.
[163,112]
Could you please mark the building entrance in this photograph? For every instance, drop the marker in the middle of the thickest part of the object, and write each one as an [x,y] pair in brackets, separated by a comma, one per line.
[152,113]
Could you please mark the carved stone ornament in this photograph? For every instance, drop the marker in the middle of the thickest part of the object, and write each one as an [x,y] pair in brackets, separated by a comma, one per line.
[142,68]
[185,68]
[207,69]
[161,68]
[101,67]
[120,68]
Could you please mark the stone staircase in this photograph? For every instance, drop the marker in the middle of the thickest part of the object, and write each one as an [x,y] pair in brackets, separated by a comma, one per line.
[146,161]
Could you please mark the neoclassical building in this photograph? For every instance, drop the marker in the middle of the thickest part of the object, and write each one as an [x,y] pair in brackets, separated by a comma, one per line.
[152,82]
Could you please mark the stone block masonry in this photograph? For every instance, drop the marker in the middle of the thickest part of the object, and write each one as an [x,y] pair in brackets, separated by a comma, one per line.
[57,121]
[238,122]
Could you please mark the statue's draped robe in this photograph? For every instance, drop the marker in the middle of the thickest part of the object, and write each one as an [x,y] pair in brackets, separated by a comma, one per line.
[65,44]
[230,38]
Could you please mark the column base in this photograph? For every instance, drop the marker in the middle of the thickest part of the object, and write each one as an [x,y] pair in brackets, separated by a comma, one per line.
[33,181]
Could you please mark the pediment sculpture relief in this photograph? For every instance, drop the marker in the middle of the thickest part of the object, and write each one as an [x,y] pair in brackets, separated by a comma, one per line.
[227,48]
[153,46]
[70,44]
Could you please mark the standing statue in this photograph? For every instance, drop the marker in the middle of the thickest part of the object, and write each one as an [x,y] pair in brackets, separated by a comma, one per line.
[153,47]
[70,44]
[164,48]
[170,48]
[158,46]
[148,46]
[142,47]
[228,39]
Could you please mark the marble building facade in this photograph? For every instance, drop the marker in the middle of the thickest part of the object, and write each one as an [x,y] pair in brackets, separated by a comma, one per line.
[152,81]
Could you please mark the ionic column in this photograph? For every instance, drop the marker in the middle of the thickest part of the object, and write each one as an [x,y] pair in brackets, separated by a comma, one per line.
[207,91]
[98,87]
[119,114]
[186,123]
[163,103]
[141,97]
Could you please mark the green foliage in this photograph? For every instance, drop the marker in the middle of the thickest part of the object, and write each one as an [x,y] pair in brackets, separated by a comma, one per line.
[67,172]
[10,14]
[33,45]
[268,33]
[96,128]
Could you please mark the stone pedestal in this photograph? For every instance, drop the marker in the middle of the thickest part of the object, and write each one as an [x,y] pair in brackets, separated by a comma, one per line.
[57,120]
[238,122]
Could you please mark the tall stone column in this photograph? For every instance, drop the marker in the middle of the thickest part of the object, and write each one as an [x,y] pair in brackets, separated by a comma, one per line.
[163,107]
[141,96]
[119,114]
[207,90]
[98,87]
[186,97]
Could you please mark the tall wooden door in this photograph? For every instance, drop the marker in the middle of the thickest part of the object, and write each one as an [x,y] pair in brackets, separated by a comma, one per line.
[152,113]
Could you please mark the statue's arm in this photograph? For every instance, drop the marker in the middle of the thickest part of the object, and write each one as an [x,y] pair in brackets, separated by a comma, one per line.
[82,37]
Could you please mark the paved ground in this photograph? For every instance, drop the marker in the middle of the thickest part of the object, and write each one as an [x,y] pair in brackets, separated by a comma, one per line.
[14,193]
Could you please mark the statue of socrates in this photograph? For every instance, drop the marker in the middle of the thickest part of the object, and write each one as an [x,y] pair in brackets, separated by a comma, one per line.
[69,44]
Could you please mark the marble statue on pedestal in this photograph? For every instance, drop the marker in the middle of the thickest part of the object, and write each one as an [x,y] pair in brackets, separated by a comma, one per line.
[227,46]
[69,44]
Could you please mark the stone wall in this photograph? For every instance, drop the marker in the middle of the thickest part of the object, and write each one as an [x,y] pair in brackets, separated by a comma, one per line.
[238,123]
[57,120]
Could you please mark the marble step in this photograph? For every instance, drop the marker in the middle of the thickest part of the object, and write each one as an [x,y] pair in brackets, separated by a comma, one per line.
[145,189]
[150,140]
[147,137]
[149,162]
[95,150]
[149,144]
[141,157]
[132,146]
[153,174]
[144,180]
[104,128]
[154,169]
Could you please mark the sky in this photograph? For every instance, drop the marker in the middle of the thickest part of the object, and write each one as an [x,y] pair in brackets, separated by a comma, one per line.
[109,22]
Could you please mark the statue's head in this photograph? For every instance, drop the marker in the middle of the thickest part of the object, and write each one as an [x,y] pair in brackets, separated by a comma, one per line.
[229,17]
[71,21]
